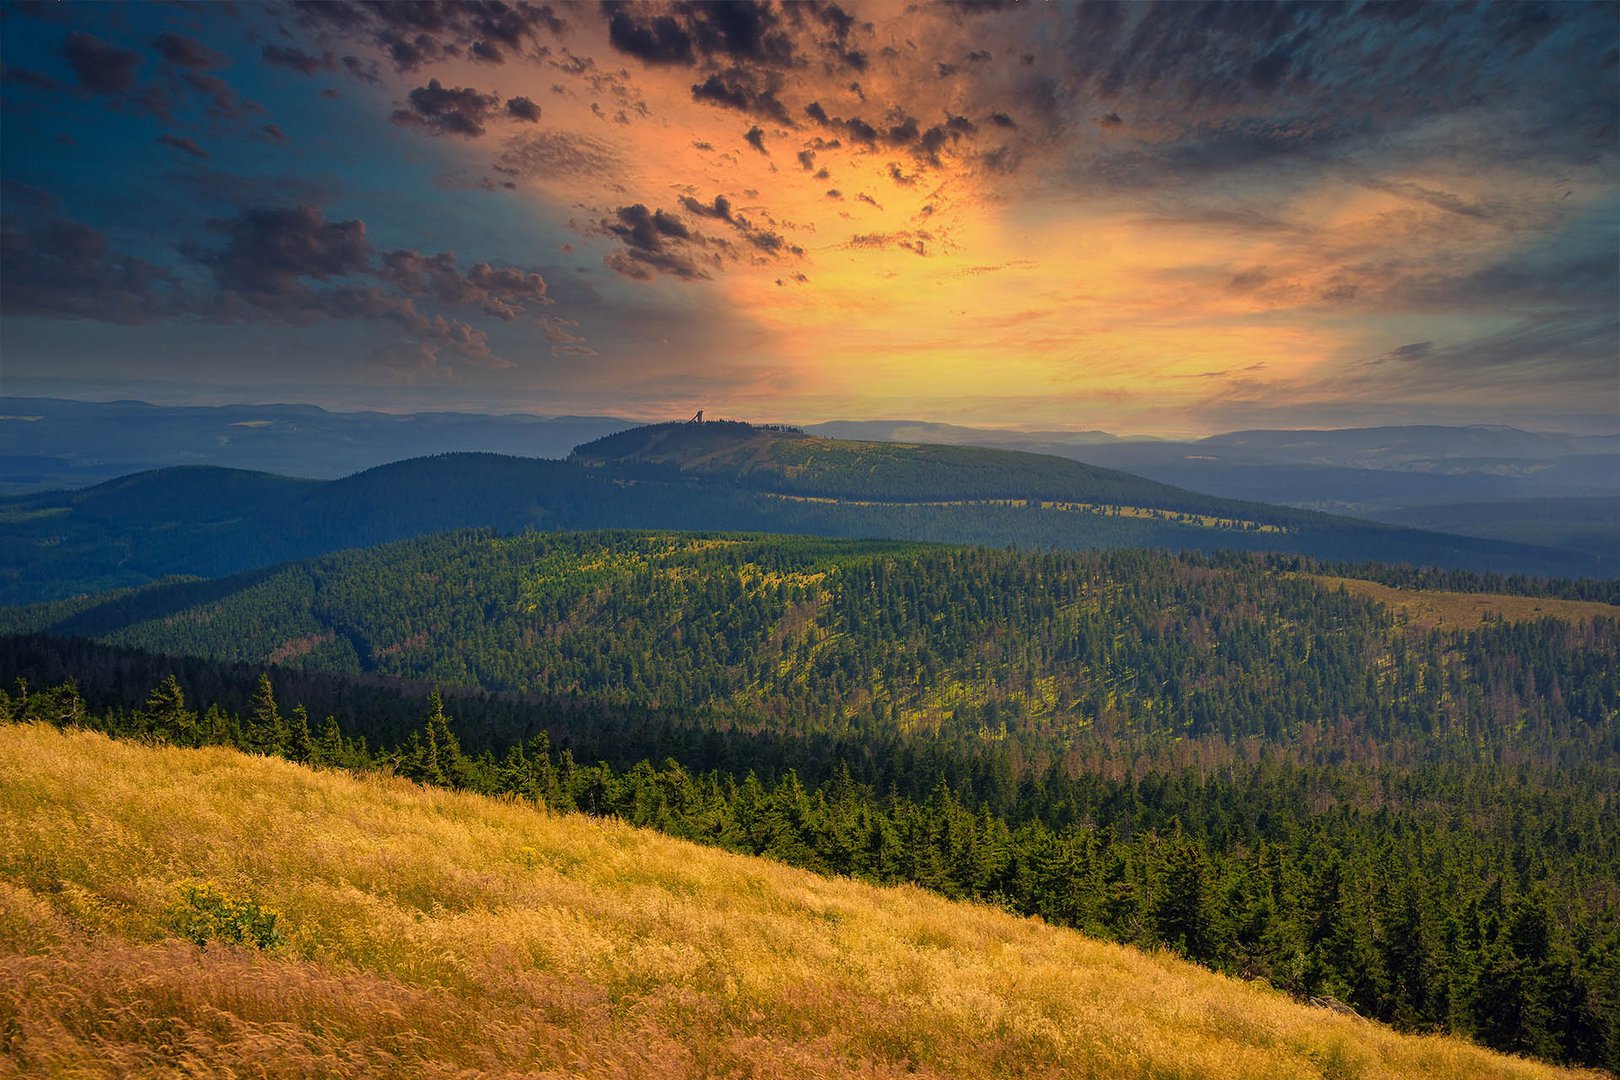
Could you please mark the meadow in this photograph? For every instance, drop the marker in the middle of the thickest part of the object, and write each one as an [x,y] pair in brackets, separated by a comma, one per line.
[1434,609]
[432,933]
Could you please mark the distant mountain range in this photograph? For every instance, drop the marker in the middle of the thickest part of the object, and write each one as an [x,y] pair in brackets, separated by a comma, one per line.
[210,522]
[49,443]
[1554,490]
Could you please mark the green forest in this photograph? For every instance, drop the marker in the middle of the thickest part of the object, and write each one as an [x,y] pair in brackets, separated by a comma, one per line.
[813,635]
[1225,755]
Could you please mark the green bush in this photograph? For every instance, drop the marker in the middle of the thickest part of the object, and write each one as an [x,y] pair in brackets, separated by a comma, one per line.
[204,913]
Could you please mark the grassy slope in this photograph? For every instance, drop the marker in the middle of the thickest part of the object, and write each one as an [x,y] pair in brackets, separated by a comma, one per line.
[1435,608]
[431,933]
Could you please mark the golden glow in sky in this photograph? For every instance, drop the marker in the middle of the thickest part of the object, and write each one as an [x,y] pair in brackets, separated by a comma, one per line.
[1170,219]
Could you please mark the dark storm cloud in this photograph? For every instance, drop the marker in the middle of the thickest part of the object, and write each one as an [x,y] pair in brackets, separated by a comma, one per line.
[422,31]
[271,264]
[457,110]
[750,54]
[657,40]
[270,251]
[855,129]
[296,59]
[741,90]
[654,242]
[64,269]
[521,108]
[900,130]
[772,243]
[293,265]
[741,31]
[99,66]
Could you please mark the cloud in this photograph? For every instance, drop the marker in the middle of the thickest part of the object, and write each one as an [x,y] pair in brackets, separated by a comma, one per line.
[457,110]
[64,269]
[660,40]
[755,137]
[296,59]
[548,155]
[185,52]
[269,251]
[654,242]
[907,240]
[1413,351]
[503,293]
[100,67]
[741,31]
[272,264]
[223,100]
[424,31]
[521,108]
[720,209]
[293,265]
[185,146]
[737,89]
[408,361]
[12,75]
[363,70]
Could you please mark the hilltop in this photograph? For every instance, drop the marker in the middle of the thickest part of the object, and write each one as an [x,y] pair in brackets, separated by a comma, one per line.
[209,522]
[788,460]
[423,933]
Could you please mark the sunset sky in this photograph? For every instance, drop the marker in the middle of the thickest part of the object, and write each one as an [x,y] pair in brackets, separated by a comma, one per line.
[1172,219]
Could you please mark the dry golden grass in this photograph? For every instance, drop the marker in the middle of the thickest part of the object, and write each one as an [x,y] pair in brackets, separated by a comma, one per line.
[436,934]
[1432,608]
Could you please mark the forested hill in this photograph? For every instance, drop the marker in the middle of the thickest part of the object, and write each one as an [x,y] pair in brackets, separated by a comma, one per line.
[789,461]
[834,635]
[212,522]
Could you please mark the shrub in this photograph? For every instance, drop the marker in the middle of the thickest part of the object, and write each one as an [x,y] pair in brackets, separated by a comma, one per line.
[204,913]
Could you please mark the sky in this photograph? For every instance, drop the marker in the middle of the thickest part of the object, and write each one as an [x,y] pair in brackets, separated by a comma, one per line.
[1170,219]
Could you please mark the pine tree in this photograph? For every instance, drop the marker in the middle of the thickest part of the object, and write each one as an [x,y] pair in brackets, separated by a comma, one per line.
[166,716]
[300,746]
[1181,911]
[266,731]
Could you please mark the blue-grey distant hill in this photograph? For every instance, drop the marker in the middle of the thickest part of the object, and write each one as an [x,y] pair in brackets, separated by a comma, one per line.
[49,443]
[209,522]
